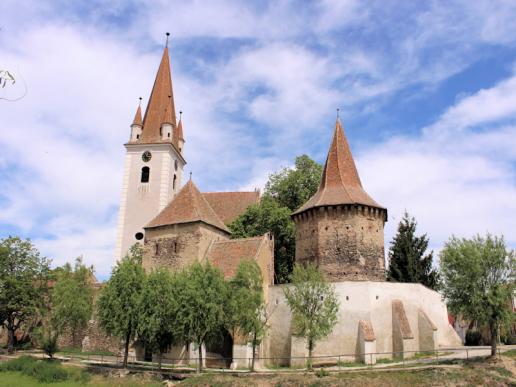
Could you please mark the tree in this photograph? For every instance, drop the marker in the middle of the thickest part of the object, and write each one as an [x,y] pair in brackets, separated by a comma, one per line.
[479,279]
[292,187]
[407,259]
[314,305]
[268,216]
[72,298]
[23,281]
[119,300]
[158,312]
[246,309]
[201,302]
[285,191]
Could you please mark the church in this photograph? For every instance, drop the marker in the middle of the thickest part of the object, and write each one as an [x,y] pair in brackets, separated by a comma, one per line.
[340,229]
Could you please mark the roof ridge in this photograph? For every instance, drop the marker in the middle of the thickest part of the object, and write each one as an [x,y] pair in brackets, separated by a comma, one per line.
[240,239]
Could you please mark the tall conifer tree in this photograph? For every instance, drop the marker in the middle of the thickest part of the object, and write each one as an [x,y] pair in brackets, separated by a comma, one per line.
[407,259]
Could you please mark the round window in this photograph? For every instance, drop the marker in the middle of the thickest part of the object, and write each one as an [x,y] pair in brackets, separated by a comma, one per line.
[138,236]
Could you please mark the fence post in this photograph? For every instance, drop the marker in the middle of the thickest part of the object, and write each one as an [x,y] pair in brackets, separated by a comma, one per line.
[371,360]
[467,354]
[437,355]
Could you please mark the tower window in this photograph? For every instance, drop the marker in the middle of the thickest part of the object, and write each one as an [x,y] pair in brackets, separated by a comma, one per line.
[145,175]
[175,165]
[168,134]
[174,182]
[137,136]
[138,236]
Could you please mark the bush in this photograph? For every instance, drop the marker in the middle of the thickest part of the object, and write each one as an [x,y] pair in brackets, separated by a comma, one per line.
[45,371]
[473,337]
[18,364]
[49,344]
[321,373]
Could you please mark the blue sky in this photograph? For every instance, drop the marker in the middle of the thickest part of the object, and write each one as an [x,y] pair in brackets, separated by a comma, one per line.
[427,92]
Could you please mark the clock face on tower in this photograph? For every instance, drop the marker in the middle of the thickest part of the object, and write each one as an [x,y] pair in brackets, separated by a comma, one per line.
[146,156]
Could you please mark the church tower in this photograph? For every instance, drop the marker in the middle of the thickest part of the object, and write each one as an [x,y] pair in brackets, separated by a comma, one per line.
[154,162]
[340,228]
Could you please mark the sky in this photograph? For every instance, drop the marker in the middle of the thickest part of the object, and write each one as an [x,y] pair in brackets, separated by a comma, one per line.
[426,91]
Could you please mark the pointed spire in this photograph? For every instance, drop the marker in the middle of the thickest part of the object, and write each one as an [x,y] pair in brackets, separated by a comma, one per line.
[161,100]
[340,169]
[180,127]
[189,205]
[340,183]
[138,116]
[168,118]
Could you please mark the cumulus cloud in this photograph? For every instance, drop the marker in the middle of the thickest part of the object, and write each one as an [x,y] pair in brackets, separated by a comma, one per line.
[257,83]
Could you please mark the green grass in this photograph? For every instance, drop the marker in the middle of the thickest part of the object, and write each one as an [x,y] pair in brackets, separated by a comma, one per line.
[43,371]
[387,361]
[510,353]
[78,351]
[350,364]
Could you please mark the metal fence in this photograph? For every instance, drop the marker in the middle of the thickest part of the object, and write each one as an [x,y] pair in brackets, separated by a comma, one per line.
[339,362]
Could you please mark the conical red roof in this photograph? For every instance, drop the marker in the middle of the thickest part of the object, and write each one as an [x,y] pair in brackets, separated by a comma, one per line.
[161,100]
[189,205]
[340,183]
[138,117]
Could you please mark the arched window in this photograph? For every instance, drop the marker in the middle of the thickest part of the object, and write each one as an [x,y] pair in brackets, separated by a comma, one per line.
[145,175]
[174,182]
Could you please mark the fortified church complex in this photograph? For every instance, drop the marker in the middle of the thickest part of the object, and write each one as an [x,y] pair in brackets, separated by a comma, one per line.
[341,229]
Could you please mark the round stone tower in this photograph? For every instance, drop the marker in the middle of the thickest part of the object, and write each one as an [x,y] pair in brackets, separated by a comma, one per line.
[340,228]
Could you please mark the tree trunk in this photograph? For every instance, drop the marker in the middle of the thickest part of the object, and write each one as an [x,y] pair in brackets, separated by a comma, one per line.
[126,352]
[254,352]
[199,366]
[160,358]
[310,348]
[494,339]
[10,338]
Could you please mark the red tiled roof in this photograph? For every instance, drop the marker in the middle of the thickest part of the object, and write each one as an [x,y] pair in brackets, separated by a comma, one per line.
[180,129]
[340,183]
[138,117]
[161,99]
[229,205]
[189,205]
[226,255]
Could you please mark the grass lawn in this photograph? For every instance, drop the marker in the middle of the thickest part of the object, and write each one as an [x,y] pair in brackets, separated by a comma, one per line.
[16,379]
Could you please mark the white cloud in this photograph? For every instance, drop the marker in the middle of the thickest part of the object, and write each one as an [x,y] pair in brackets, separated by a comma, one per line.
[254,108]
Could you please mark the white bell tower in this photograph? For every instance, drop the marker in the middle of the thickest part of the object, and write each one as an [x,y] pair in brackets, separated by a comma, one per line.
[153,167]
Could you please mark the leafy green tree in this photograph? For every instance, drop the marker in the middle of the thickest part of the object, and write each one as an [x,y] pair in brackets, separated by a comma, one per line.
[119,300]
[158,312]
[201,302]
[268,216]
[292,187]
[72,298]
[246,309]
[23,284]
[285,191]
[314,305]
[478,276]
[48,342]
[407,259]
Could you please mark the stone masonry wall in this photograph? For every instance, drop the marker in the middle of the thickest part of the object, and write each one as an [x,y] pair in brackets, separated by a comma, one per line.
[178,246]
[346,242]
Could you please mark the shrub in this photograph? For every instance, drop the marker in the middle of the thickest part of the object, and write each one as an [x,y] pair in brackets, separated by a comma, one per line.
[473,337]
[18,364]
[49,344]
[44,371]
[321,373]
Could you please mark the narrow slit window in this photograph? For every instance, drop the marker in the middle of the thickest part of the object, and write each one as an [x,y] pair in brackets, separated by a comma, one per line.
[174,182]
[145,175]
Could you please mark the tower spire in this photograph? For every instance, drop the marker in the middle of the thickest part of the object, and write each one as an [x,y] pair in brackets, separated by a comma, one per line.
[138,116]
[161,102]
[340,183]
